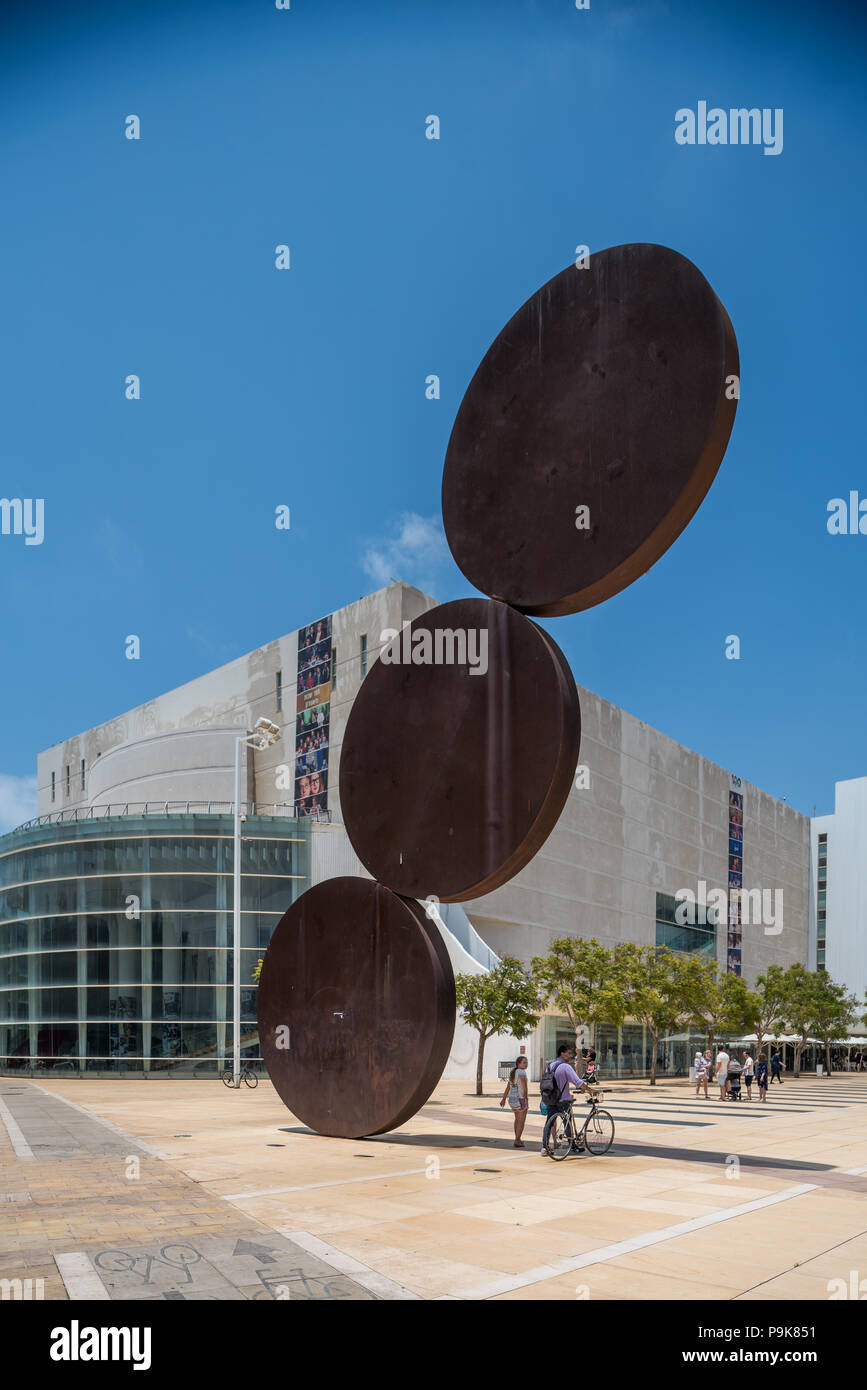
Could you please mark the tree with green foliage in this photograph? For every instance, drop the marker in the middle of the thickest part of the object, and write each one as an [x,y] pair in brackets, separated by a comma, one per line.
[798,1008]
[502,1000]
[771,994]
[719,1004]
[583,980]
[659,990]
[833,1010]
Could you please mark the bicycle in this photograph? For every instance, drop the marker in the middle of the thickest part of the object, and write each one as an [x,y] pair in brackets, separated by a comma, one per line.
[246,1074]
[563,1135]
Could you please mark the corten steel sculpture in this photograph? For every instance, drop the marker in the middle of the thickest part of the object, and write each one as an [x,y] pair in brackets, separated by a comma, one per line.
[585,442]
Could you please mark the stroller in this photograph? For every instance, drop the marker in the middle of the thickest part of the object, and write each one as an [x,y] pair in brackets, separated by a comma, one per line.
[735,1084]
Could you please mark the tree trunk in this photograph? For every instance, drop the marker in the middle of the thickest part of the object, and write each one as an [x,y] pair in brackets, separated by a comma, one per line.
[760,1038]
[482,1040]
[579,1060]
[711,1039]
[655,1040]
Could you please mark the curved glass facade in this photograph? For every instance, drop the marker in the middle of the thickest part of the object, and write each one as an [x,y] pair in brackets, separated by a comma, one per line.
[116,939]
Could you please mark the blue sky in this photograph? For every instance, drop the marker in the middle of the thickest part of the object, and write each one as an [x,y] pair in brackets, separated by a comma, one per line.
[306,387]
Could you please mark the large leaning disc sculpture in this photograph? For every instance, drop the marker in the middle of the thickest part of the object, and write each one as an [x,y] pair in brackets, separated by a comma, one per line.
[585,442]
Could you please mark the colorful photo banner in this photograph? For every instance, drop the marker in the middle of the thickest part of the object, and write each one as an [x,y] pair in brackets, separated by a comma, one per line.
[313,718]
[736,874]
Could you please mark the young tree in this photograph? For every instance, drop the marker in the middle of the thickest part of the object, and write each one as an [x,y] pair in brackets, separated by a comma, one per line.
[771,993]
[582,979]
[659,987]
[833,1012]
[502,1000]
[798,1006]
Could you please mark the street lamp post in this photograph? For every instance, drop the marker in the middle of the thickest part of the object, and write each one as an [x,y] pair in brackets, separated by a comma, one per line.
[261,736]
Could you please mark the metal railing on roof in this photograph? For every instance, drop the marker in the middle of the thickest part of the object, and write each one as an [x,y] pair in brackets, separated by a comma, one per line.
[170,808]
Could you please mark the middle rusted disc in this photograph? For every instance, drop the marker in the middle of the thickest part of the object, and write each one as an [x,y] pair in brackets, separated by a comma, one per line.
[459,751]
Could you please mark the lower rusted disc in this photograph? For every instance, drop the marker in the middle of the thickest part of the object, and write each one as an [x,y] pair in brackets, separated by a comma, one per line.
[454,772]
[356,1008]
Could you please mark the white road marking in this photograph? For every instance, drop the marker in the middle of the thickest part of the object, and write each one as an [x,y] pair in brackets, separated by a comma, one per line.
[507,1283]
[80,1277]
[19,1143]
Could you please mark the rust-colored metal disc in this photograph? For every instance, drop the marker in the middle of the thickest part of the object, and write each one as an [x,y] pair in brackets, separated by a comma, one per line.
[451,780]
[606,390]
[358,982]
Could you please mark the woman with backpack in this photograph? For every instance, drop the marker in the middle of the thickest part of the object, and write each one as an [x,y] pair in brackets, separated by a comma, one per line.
[516,1093]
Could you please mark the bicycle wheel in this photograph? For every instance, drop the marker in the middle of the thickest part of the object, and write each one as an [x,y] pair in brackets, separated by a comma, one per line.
[228,1078]
[251,1078]
[560,1137]
[599,1132]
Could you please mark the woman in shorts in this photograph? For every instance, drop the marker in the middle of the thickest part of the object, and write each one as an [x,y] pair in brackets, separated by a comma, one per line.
[762,1075]
[516,1094]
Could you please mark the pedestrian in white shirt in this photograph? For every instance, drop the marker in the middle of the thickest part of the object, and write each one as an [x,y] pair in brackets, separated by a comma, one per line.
[722,1072]
[700,1073]
[749,1072]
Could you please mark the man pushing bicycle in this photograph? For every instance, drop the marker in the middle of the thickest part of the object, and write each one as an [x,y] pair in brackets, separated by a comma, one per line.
[556,1088]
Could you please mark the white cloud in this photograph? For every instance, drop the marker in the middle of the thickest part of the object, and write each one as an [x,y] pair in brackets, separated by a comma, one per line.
[17,800]
[415,554]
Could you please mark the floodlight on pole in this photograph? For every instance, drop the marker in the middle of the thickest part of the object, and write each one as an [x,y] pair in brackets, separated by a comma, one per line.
[260,737]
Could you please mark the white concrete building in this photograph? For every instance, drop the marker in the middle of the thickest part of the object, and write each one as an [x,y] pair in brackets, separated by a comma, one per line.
[838,856]
[647,821]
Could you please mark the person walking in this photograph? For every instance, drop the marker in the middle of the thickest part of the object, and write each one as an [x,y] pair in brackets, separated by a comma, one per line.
[722,1071]
[777,1067]
[516,1093]
[762,1076]
[748,1073]
[701,1070]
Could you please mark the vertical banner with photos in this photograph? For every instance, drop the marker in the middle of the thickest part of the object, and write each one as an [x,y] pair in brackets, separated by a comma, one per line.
[313,718]
[736,874]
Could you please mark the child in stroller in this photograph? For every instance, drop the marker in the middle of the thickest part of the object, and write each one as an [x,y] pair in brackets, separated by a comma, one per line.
[735,1070]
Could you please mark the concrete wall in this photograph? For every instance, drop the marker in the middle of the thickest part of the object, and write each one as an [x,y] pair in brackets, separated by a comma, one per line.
[232,696]
[182,765]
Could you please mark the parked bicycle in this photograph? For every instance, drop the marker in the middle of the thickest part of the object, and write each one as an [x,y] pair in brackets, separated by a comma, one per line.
[564,1133]
[246,1074]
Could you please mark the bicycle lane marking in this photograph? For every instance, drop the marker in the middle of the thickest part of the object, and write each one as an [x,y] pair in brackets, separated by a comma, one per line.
[371,1279]
[508,1283]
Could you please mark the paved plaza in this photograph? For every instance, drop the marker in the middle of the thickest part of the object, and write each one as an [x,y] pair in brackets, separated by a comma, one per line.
[185,1190]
